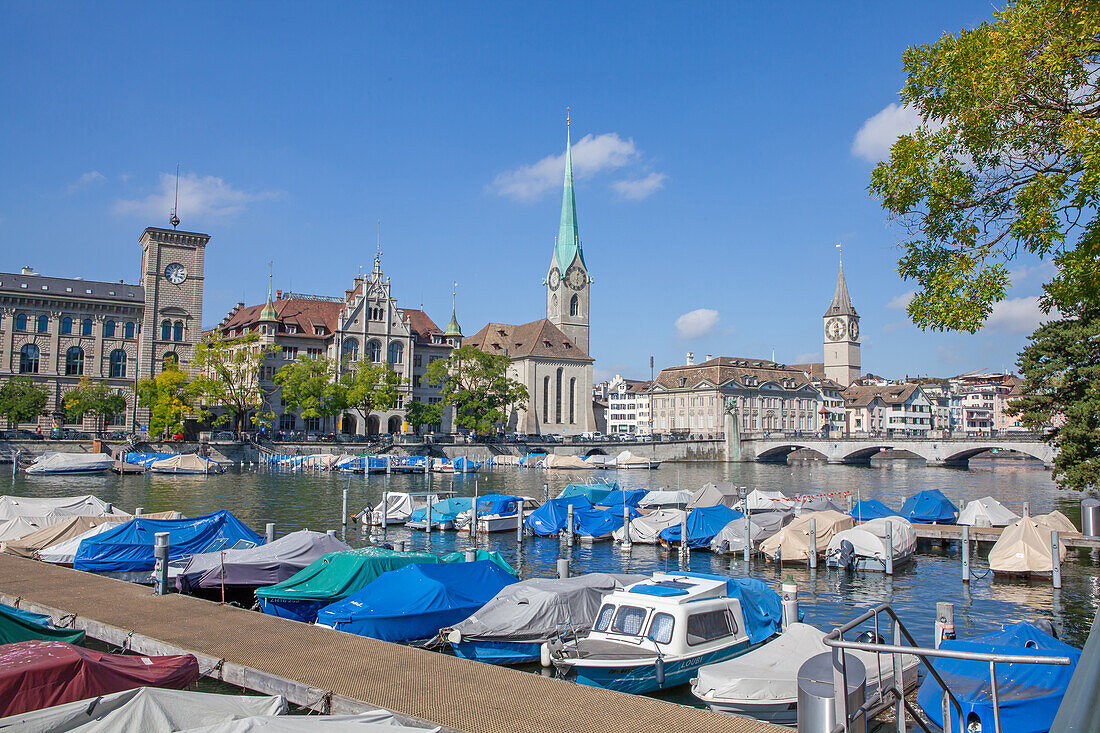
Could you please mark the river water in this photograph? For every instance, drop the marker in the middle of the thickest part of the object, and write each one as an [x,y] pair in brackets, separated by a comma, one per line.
[295,500]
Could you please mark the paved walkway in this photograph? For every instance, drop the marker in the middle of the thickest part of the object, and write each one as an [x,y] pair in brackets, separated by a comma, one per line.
[445,690]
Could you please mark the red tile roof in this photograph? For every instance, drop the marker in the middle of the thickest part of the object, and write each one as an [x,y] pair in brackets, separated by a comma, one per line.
[539,338]
[301,312]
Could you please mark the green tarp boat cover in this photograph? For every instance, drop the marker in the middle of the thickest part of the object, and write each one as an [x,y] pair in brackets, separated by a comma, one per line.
[17,625]
[339,574]
[492,555]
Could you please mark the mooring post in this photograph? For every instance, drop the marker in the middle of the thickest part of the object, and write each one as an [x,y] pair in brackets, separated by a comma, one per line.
[344,510]
[545,493]
[385,509]
[138,511]
[389,464]
[1027,508]
[428,515]
[945,622]
[966,553]
[813,542]
[270,531]
[401,545]
[1055,560]
[330,532]
[790,602]
[563,568]
[626,528]
[160,571]
[683,536]
[889,548]
[109,509]
[519,522]
[748,537]
[569,525]
[471,555]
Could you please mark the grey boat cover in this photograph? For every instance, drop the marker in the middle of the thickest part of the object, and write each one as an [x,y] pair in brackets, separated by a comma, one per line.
[66,506]
[768,501]
[646,529]
[713,494]
[145,709]
[816,504]
[987,512]
[542,608]
[869,539]
[257,566]
[665,499]
[399,507]
[375,721]
[762,525]
[16,527]
[71,463]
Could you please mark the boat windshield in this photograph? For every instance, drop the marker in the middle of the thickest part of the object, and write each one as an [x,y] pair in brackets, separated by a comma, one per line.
[660,628]
[629,620]
[603,620]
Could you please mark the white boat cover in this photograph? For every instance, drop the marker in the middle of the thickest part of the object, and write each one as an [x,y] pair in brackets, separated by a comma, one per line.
[1058,522]
[813,504]
[65,552]
[541,609]
[665,500]
[646,529]
[145,709]
[1024,547]
[263,565]
[67,506]
[767,501]
[795,537]
[869,538]
[626,459]
[71,463]
[553,461]
[599,459]
[713,494]
[762,525]
[377,721]
[185,463]
[769,674]
[399,507]
[17,527]
[987,512]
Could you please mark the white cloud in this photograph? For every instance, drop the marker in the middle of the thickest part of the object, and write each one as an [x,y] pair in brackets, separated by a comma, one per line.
[591,155]
[639,188]
[901,302]
[198,196]
[1018,315]
[697,323]
[878,133]
[88,179]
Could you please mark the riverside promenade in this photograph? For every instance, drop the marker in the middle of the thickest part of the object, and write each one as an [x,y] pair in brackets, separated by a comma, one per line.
[335,672]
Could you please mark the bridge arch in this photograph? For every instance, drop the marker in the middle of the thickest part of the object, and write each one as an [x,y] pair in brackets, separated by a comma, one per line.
[964,456]
[865,453]
[780,453]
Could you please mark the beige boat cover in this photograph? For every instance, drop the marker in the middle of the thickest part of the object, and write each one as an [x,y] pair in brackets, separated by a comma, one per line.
[1058,522]
[795,537]
[1024,547]
[553,461]
[29,545]
[185,463]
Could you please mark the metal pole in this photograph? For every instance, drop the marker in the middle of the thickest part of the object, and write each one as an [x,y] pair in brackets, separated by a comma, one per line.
[996,700]
[1055,561]
[109,509]
[160,571]
[344,510]
[897,670]
[563,568]
[385,509]
[473,515]
[683,535]
[1027,508]
[966,553]
[569,526]
[748,537]
[545,493]
[813,542]
[428,514]
[471,555]
[626,527]
[889,548]
[519,522]
[945,623]
[270,528]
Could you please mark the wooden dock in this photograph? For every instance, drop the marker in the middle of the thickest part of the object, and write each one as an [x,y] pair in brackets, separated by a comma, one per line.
[953,532]
[335,672]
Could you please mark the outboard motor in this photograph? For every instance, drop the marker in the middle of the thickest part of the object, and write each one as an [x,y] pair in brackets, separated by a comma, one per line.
[1046,627]
[847,557]
[870,637]
[723,547]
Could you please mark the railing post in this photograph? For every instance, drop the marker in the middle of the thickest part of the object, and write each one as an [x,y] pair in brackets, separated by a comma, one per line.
[996,700]
[813,551]
[966,553]
[1055,560]
[898,671]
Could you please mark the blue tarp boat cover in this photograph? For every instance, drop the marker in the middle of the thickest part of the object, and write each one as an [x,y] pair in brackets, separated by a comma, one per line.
[703,524]
[630,497]
[930,506]
[1029,694]
[463,464]
[601,522]
[415,602]
[129,546]
[551,517]
[531,459]
[144,459]
[498,504]
[490,555]
[445,510]
[871,509]
[595,493]
[761,606]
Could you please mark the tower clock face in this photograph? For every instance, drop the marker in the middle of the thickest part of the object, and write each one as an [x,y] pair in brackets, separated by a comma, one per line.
[834,329]
[575,277]
[553,279]
[853,330]
[175,273]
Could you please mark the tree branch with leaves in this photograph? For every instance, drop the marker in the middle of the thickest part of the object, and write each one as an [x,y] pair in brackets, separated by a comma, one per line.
[21,400]
[94,398]
[227,376]
[369,387]
[168,399]
[312,387]
[478,386]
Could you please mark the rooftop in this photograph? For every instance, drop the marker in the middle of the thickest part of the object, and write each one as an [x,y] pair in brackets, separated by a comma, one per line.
[539,338]
[28,282]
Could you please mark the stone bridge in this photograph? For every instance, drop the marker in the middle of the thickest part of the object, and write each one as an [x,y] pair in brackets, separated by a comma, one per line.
[935,451]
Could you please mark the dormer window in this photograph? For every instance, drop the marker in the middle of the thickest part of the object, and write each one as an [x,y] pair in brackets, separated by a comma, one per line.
[546,343]
[683,381]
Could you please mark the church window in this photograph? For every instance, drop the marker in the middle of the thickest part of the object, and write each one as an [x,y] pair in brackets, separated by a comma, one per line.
[397,353]
[177,331]
[374,351]
[166,330]
[66,325]
[117,363]
[572,400]
[43,324]
[546,399]
[74,361]
[351,349]
[574,305]
[109,329]
[129,331]
[557,390]
[28,359]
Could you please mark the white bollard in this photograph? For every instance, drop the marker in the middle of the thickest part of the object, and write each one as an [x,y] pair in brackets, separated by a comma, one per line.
[139,511]
[160,569]
[790,602]
[330,532]
[966,553]
[471,555]
[1055,560]
[519,522]
[270,529]
[428,515]
[626,527]
[563,568]
[385,509]
[344,510]
[569,526]
[813,542]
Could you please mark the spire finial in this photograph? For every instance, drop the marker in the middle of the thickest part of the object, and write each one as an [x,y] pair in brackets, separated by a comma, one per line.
[270,278]
[840,253]
[175,220]
[567,117]
[453,329]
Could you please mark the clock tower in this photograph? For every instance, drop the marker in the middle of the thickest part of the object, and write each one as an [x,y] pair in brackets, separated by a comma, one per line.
[567,281]
[842,361]
[172,272]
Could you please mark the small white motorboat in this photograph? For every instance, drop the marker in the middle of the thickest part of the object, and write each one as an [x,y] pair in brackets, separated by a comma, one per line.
[987,512]
[185,464]
[60,463]
[399,507]
[864,547]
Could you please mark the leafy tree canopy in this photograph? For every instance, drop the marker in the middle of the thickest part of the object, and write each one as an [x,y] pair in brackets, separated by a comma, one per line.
[370,387]
[227,376]
[168,400]
[1007,162]
[94,398]
[21,400]
[311,388]
[419,414]
[478,386]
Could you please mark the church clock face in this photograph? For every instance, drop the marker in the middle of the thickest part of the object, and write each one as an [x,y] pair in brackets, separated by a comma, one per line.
[834,329]
[553,279]
[575,277]
[853,330]
[175,273]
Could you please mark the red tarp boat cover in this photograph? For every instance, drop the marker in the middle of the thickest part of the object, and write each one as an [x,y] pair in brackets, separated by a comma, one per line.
[39,674]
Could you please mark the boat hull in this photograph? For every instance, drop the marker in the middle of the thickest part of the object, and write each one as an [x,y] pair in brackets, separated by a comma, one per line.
[304,611]
[642,677]
[498,652]
[870,564]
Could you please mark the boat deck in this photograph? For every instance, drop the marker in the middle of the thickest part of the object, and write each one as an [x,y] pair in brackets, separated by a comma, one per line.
[272,655]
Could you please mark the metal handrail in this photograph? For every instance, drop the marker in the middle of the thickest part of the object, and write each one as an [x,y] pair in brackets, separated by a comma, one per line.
[835,640]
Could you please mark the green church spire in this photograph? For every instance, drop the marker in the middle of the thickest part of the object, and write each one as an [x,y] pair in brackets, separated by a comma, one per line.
[453,329]
[268,312]
[568,245]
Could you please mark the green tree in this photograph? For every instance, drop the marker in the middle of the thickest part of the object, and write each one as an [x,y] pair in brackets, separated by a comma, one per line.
[1007,162]
[168,400]
[311,387]
[92,398]
[369,387]
[227,376]
[1061,394]
[419,414]
[21,400]
[478,386]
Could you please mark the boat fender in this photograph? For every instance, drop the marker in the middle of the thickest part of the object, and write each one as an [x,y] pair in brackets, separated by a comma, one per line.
[454,636]
[544,654]
[659,666]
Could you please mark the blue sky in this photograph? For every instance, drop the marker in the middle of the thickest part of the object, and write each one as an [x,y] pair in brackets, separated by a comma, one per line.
[718,149]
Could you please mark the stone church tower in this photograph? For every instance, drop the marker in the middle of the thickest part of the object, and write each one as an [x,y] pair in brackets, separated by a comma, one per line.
[567,282]
[172,273]
[842,362]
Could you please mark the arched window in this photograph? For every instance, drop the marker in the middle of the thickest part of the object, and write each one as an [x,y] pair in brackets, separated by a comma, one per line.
[118,363]
[74,361]
[43,324]
[572,399]
[28,359]
[108,329]
[351,349]
[374,351]
[177,331]
[129,329]
[66,325]
[557,390]
[546,399]
[397,352]
[171,360]
[165,330]
[21,322]
[86,327]
[574,305]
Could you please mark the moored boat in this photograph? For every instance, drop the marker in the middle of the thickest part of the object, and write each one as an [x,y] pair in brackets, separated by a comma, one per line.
[864,547]
[70,463]
[186,464]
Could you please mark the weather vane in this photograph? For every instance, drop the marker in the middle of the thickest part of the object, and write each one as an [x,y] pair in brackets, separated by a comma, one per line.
[567,117]
[840,252]
[175,220]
